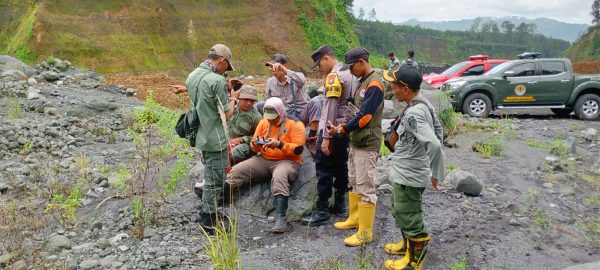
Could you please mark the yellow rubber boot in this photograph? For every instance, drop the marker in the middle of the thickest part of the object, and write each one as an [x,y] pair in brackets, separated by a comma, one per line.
[366,217]
[396,248]
[416,249]
[352,221]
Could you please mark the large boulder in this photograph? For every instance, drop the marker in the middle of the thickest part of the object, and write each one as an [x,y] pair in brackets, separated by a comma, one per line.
[11,63]
[438,99]
[257,198]
[465,182]
[587,266]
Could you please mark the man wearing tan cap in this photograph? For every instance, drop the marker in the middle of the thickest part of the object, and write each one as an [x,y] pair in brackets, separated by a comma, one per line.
[242,125]
[207,89]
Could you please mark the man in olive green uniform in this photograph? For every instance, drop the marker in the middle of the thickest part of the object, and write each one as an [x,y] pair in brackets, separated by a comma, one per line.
[208,89]
[417,159]
[365,142]
[242,125]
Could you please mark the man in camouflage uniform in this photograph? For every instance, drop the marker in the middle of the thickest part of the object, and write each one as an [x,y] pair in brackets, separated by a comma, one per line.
[242,125]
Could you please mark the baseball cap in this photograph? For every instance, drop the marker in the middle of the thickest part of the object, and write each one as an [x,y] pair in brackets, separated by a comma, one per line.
[270,113]
[223,51]
[354,55]
[277,58]
[248,92]
[405,75]
[319,53]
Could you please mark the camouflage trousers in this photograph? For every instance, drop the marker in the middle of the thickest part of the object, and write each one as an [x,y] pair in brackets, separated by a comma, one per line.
[241,152]
[406,209]
[215,165]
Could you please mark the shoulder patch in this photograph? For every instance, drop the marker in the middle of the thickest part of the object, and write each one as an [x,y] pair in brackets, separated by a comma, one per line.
[333,86]
[412,123]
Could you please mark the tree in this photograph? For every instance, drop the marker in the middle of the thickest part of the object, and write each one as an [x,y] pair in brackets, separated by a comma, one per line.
[596,12]
[361,13]
[476,24]
[508,27]
[372,15]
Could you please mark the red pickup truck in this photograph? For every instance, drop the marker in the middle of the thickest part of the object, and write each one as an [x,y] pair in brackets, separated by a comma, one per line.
[477,65]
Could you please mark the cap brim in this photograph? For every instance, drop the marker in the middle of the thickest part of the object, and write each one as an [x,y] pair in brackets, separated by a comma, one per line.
[388,76]
[245,96]
[315,64]
[345,67]
[230,66]
[268,64]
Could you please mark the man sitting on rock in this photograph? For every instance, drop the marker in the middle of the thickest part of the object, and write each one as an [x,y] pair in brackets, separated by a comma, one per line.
[242,125]
[279,140]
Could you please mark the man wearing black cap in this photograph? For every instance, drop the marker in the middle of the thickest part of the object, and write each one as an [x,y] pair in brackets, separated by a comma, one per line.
[207,90]
[365,142]
[331,153]
[417,159]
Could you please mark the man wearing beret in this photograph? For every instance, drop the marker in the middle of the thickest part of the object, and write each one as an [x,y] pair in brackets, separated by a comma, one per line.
[416,160]
[365,142]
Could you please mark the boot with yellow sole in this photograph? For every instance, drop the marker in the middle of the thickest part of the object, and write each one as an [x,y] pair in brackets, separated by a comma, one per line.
[352,221]
[416,249]
[366,217]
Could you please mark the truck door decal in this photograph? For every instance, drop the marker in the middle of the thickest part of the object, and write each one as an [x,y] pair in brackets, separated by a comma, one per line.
[520,90]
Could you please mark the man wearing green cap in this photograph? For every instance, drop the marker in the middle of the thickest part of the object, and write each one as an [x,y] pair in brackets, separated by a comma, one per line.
[207,89]
[365,141]
[417,159]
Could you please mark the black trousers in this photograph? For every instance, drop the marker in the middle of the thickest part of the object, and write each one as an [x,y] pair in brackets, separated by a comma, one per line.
[332,170]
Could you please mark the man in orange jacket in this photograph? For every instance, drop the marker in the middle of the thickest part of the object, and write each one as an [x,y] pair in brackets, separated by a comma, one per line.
[280,142]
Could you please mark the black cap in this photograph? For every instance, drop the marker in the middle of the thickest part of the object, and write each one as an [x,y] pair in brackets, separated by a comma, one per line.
[405,75]
[354,55]
[319,53]
[278,58]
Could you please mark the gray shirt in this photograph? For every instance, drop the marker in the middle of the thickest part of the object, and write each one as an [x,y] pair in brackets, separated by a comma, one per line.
[295,80]
[418,152]
[410,61]
[394,64]
[334,109]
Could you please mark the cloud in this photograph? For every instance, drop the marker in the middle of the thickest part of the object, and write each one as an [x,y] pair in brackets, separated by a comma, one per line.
[574,11]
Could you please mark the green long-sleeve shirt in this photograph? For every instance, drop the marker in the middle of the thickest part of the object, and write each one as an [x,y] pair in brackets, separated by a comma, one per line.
[418,152]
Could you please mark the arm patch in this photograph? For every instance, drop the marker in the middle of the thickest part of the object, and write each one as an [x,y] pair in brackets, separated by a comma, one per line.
[333,86]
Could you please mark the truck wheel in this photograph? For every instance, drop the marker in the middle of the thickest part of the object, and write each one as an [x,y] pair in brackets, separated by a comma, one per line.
[587,107]
[562,112]
[477,105]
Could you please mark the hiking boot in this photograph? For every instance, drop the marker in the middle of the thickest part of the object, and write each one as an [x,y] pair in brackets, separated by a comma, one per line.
[320,215]
[281,205]
[339,206]
[311,144]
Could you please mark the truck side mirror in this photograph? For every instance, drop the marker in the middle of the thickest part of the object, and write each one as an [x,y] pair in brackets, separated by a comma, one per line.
[507,74]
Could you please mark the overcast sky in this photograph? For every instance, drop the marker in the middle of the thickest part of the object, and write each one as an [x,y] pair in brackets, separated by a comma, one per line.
[573,11]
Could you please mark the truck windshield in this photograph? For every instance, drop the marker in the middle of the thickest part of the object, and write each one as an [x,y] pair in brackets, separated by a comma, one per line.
[498,68]
[454,69]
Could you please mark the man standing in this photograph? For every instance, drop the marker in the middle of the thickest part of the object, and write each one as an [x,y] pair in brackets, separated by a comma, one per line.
[394,62]
[207,90]
[417,159]
[365,142]
[410,55]
[331,153]
[242,125]
[280,142]
[288,85]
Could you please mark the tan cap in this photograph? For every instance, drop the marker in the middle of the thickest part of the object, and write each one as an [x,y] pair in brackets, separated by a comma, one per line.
[223,51]
[248,92]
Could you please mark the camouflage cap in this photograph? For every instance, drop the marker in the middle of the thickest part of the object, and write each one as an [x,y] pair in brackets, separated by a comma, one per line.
[248,92]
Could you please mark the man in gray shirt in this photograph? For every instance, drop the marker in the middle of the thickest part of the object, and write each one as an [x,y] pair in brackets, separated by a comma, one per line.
[417,159]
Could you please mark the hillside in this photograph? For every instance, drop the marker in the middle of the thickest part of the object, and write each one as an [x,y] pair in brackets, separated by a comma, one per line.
[133,35]
[435,46]
[586,52]
[547,27]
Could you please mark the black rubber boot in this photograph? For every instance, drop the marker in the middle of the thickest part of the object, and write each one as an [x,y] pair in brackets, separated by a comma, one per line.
[208,221]
[281,206]
[320,216]
[339,207]
[227,194]
[198,190]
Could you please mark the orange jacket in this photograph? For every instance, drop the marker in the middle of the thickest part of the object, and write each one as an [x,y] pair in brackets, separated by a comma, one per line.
[293,137]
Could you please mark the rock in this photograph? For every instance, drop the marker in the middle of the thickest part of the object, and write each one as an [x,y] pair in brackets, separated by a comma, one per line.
[386,188]
[51,111]
[389,111]
[437,98]
[89,264]
[586,266]
[513,222]
[590,134]
[386,124]
[32,81]
[58,243]
[119,237]
[123,248]
[14,73]
[103,243]
[548,185]
[174,260]
[257,198]
[11,63]
[33,96]
[571,146]
[130,92]
[196,173]
[18,265]
[3,188]
[50,76]
[6,258]
[465,182]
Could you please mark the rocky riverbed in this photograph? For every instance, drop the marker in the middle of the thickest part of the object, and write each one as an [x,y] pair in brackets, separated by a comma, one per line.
[523,191]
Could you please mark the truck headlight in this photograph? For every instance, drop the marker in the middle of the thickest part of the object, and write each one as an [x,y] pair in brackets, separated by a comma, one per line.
[453,85]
